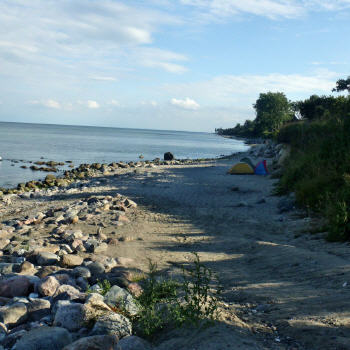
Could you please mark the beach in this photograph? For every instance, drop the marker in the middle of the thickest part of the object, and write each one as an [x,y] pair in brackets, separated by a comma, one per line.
[282,288]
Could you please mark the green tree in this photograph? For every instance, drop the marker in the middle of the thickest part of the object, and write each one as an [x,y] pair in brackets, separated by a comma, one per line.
[342,85]
[272,111]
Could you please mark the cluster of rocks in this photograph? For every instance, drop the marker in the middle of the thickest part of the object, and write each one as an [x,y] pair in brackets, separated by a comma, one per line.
[51,295]
[85,171]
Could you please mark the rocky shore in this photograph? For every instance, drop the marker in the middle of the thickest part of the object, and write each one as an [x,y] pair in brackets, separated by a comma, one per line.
[73,248]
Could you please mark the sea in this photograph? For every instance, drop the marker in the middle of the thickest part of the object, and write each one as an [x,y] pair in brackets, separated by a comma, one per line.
[22,143]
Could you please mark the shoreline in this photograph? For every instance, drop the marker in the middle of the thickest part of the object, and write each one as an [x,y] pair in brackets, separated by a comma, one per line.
[77,173]
[107,226]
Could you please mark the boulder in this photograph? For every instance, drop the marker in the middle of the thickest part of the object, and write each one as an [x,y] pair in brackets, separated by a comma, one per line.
[38,308]
[48,286]
[112,323]
[71,260]
[73,316]
[47,258]
[14,287]
[133,342]
[44,338]
[97,342]
[168,156]
[14,314]
[119,297]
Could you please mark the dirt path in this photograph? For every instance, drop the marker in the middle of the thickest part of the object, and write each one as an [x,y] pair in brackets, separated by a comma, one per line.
[283,289]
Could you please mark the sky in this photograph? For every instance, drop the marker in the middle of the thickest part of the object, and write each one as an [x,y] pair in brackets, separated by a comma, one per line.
[165,64]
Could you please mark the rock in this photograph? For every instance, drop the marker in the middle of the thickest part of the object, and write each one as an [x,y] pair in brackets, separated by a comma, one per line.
[38,308]
[67,292]
[129,203]
[44,338]
[48,286]
[97,342]
[119,297]
[96,268]
[168,156]
[96,302]
[101,248]
[81,271]
[48,270]
[70,260]
[133,342]
[112,324]
[73,316]
[14,314]
[14,287]
[47,258]
[27,267]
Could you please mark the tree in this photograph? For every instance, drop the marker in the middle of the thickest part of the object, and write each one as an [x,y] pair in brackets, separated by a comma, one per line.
[272,110]
[342,85]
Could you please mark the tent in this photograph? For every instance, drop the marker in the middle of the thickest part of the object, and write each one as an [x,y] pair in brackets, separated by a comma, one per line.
[261,168]
[248,161]
[241,169]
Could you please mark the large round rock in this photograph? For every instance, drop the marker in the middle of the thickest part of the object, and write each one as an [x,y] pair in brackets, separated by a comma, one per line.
[168,156]
[44,338]
[112,323]
[97,342]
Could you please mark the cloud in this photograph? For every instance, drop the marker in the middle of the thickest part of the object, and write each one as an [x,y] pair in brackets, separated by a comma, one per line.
[92,104]
[266,8]
[114,103]
[273,9]
[164,59]
[187,103]
[101,78]
[47,103]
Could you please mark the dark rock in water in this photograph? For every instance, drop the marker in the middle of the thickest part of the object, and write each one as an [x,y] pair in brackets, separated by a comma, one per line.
[168,156]
[44,338]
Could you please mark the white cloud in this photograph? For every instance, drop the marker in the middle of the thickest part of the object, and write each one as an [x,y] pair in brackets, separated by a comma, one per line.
[187,103]
[47,103]
[101,78]
[273,9]
[267,8]
[92,104]
[114,103]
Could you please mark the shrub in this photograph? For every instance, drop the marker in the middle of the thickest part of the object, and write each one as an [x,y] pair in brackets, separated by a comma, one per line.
[167,303]
[318,170]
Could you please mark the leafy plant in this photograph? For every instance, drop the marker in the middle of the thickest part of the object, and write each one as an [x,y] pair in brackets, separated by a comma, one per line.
[105,285]
[167,303]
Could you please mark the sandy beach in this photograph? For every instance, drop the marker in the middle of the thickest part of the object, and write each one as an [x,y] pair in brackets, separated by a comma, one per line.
[283,288]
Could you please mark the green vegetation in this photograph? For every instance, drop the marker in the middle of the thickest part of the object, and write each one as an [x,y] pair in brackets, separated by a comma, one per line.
[272,111]
[168,303]
[318,170]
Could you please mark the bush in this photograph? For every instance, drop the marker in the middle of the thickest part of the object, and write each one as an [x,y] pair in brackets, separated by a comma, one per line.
[167,303]
[318,170]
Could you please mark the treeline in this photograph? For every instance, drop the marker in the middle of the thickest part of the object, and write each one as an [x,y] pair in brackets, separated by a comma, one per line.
[318,169]
[274,110]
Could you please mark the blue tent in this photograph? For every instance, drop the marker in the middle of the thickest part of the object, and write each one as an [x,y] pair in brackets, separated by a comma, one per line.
[261,168]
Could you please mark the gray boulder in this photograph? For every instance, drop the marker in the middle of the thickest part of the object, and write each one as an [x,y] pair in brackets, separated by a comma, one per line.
[47,258]
[119,297]
[133,342]
[72,317]
[112,324]
[97,342]
[14,314]
[44,338]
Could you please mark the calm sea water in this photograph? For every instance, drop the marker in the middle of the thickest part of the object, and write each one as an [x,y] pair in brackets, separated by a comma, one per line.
[83,144]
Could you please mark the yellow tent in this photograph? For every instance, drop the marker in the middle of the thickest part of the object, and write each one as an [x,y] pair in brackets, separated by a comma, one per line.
[241,169]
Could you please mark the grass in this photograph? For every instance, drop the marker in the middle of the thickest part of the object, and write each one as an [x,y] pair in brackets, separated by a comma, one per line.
[318,171]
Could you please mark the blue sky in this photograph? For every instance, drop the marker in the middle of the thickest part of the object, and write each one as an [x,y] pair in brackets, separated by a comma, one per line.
[179,64]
